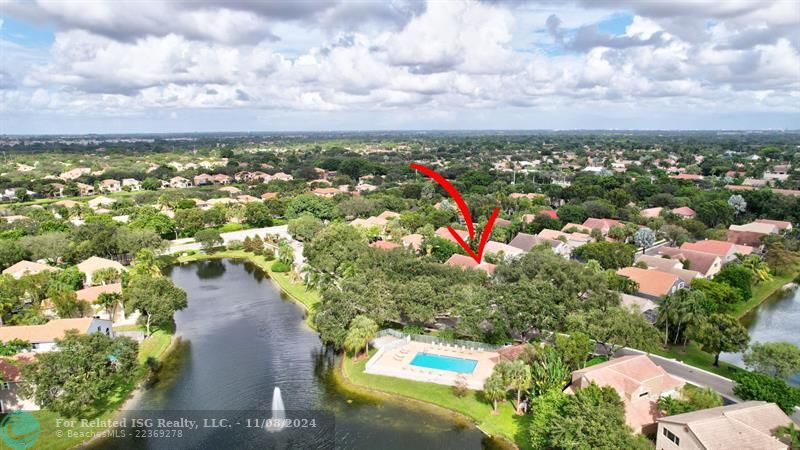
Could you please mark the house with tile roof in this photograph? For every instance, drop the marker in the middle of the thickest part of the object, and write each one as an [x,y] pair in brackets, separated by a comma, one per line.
[639,383]
[707,264]
[742,426]
[782,225]
[413,241]
[385,245]
[650,213]
[10,398]
[499,248]
[466,262]
[43,337]
[24,268]
[725,250]
[602,225]
[653,284]
[668,265]
[91,265]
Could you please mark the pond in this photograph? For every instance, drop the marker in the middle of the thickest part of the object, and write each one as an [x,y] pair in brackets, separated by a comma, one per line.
[240,339]
[777,319]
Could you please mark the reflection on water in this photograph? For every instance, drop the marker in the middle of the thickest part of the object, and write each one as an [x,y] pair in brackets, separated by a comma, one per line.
[777,319]
[240,339]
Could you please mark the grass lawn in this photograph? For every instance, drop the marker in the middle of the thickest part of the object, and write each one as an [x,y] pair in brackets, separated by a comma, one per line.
[505,424]
[696,357]
[762,291]
[297,291]
[155,345]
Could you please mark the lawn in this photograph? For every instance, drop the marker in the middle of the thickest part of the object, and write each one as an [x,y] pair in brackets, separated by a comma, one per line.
[762,291]
[297,291]
[155,345]
[696,357]
[505,424]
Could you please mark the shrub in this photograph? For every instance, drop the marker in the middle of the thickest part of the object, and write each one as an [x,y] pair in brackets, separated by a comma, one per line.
[413,329]
[460,387]
[757,386]
[280,267]
[448,334]
[235,245]
[268,254]
[189,252]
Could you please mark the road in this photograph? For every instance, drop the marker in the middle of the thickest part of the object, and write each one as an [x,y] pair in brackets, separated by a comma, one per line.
[187,244]
[689,373]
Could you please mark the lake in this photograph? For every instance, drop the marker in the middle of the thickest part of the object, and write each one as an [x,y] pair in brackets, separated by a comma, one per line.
[777,319]
[240,338]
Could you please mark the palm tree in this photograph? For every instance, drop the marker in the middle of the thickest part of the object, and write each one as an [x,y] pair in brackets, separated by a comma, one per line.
[759,268]
[494,389]
[665,316]
[362,330]
[109,302]
[285,253]
[518,376]
[789,434]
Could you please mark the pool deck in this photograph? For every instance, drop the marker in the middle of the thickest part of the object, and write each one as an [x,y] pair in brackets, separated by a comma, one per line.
[394,360]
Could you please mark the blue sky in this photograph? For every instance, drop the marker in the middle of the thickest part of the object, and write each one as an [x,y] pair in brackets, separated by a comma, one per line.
[126,66]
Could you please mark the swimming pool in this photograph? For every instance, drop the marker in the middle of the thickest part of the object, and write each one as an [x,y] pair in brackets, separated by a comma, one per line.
[440,362]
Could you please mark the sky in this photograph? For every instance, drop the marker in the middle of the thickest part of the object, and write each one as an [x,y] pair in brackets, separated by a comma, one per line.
[120,66]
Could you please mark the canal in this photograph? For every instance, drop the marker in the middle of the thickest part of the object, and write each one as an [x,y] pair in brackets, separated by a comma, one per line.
[777,319]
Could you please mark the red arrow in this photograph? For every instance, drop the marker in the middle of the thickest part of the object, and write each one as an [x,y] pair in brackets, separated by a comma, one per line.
[462,205]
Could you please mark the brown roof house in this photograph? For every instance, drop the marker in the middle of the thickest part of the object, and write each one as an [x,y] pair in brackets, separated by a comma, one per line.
[603,225]
[741,426]
[10,400]
[639,383]
[653,284]
[684,212]
[781,224]
[725,250]
[42,337]
[95,263]
[668,265]
[707,264]
[467,262]
[23,268]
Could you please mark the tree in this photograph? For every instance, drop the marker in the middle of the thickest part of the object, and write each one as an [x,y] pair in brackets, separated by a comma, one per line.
[362,330]
[66,304]
[691,399]
[737,276]
[715,212]
[83,370]
[759,386]
[105,276]
[257,214]
[615,328]
[758,267]
[720,297]
[593,418]
[11,252]
[305,227]
[208,238]
[49,246]
[190,221]
[644,238]
[574,349]
[570,213]
[285,253]
[151,184]
[548,372]
[788,434]
[517,375]
[545,411]
[335,248]
[320,207]
[610,255]
[109,302]
[156,298]
[778,359]
[494,390]
[720,333]
[738,204]
[780,259]
[675,234]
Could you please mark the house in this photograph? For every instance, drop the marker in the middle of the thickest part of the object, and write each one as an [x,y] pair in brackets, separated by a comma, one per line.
[647,308]
[202,179]
[467,262]
[573,240]
[385,245]
[653,284]
[576,227]
[365,187]
[24,268]
[95,263]
[282,177]
[75,173]
[100,202]
[742,426]
[230,190]
[706,264]
[247,198]
[782,225]
[444,233]
[778,173]
[524,241]
[687,176]
[131,184]
[529,196]
[269,195]
[69,204]
[639,383]
[326,192]
[684,212]
[413,241]
[221,178]
[725,250]
[13,218]
[10,400]
[602,225]
[110,185]
[650,213]
[669,265]
[85,189]
[179,183]
[747,238]
[43,337]
[757,227]
[498,248]
[58,190]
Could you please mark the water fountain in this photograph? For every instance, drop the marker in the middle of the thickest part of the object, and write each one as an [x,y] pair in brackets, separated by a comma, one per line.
[278,412]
